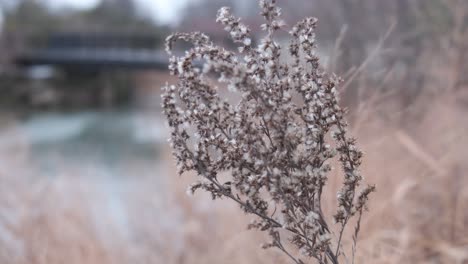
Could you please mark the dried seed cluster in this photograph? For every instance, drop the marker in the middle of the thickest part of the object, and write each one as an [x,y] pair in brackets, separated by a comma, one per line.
[277,141]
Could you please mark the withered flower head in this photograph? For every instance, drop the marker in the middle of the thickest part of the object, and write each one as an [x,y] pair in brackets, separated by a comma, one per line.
[277,142]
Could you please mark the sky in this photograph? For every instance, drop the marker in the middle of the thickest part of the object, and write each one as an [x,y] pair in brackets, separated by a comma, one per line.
[163,11]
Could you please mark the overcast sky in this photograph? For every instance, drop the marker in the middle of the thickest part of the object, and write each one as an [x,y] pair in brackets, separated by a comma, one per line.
[161,10]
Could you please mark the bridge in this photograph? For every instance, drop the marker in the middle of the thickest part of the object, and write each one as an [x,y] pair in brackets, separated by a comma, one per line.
[93,51]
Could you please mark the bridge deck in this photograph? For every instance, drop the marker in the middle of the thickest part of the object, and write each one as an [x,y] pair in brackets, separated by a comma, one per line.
[95,58]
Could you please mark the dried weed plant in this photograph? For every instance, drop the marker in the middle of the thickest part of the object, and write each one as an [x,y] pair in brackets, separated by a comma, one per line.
[277,142]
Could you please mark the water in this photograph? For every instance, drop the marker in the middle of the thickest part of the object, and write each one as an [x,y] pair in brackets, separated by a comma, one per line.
[111,158]
[106,139]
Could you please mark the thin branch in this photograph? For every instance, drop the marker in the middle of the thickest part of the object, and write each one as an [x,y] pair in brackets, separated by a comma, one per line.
[355,235]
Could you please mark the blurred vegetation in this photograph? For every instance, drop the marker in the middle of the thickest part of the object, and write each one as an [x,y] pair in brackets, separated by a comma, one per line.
[421,34]
[32,18]
[419,25]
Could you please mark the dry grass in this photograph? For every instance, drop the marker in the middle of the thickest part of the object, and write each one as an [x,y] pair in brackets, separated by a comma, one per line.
[419,214]
[416,157]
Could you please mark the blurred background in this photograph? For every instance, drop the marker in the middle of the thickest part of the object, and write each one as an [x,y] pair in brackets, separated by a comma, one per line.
[86,174]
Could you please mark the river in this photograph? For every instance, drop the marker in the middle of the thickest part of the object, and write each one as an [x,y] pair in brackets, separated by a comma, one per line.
[106,163]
